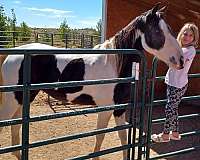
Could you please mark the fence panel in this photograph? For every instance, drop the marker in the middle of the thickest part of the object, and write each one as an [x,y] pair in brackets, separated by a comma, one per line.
[10,39]
[133,143]
[154,103]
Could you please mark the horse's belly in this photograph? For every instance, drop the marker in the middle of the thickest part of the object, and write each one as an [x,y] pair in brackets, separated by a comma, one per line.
[100,94]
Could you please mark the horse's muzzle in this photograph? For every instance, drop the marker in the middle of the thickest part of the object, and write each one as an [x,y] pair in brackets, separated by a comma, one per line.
[179,65]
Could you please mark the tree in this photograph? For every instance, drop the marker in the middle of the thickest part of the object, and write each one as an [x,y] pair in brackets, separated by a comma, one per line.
[3,28]
[14,20]
[2,19]
[25,32]
[63,29]
[99,27]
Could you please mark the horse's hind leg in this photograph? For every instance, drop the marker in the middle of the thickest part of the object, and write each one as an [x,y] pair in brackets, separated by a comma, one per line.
[15,132]
[120,120]
[102,122]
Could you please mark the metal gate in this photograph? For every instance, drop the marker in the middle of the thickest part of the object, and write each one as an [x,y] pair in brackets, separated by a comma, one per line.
[155,103]
[133,142]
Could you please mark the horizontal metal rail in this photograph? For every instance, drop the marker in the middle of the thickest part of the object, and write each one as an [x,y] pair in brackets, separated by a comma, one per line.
[162,120]
[65,114]
[79,135]
[104,152]
[188,98]
[53,85]
[19,51]
[176,153]
[191,75]
[186,134]
[66,138]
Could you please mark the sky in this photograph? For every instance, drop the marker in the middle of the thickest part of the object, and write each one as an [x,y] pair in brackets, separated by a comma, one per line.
[51,13]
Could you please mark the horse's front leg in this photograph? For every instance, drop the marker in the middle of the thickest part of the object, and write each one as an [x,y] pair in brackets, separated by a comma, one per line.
[102,122]
[15,132]
[120,120]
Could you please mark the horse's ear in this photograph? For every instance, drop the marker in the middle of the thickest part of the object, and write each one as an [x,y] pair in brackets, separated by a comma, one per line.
[163,9]
[155,8]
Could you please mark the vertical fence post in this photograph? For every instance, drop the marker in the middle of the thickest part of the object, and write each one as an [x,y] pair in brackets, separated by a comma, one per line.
[142,110]
[26,106]
[73,35]
[91,41]
[52,39]
[135,103]
[131,111]
[66,40]
[13,38]
[36,37]
[149,125]
[82,41]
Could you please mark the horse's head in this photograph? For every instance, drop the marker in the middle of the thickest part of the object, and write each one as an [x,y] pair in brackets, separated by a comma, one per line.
[157,38]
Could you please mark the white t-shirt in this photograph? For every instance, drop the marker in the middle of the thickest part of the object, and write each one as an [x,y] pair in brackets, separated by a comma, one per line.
[179,78]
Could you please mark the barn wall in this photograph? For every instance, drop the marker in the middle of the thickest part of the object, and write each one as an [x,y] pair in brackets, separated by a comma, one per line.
[120,12]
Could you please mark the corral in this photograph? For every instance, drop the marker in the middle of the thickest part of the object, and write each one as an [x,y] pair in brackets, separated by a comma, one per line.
[71,125]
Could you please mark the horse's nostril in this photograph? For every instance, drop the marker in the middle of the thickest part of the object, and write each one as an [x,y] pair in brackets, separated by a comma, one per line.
[172,60]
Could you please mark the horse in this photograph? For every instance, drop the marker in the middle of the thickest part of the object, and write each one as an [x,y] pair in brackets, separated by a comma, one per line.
[149,32]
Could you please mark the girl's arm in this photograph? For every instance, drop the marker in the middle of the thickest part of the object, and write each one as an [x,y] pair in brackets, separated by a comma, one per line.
[188,63]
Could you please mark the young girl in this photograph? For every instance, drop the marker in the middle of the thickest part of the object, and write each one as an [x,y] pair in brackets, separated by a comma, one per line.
[177,83]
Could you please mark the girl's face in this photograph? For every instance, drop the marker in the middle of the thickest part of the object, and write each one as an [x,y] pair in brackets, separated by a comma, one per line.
[187,37]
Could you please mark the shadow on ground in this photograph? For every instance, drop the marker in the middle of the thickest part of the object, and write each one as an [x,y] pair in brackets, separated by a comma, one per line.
[186,125]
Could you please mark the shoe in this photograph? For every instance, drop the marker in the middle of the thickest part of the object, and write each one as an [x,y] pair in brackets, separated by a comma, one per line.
[174,138]
[158,138]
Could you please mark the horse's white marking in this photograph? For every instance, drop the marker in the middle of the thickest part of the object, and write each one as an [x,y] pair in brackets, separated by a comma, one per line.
[170,48]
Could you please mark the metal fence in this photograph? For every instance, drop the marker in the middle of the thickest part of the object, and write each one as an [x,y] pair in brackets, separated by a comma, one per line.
[10,39]
[138,148]
[154,103]
[26,87]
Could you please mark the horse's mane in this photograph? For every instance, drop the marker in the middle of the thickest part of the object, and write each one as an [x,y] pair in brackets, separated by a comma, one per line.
[127,38]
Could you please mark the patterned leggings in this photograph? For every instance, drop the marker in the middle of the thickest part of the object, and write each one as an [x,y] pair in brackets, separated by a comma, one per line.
[174,96]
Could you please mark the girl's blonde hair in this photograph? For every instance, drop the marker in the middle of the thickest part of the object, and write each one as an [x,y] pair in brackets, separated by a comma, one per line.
[194,29]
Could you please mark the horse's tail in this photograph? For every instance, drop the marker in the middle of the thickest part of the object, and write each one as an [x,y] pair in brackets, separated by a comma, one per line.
[2,58]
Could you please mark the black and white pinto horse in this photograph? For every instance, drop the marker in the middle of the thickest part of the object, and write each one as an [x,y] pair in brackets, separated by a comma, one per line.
[148,31]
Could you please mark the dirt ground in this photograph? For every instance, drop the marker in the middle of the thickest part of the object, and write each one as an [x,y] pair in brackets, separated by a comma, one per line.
[61,127]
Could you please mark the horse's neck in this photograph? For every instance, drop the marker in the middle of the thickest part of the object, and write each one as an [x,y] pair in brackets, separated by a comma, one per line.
[122,62]
[127,37]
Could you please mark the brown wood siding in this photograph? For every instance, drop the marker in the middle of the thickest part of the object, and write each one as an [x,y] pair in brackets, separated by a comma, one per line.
[121,12]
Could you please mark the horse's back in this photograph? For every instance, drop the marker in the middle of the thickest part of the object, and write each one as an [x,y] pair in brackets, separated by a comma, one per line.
[10,69]
[35,46]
